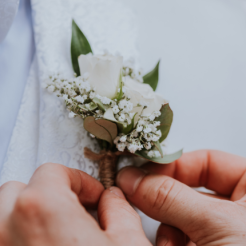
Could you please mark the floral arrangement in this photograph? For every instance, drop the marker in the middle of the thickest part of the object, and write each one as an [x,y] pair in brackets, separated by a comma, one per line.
[117,104]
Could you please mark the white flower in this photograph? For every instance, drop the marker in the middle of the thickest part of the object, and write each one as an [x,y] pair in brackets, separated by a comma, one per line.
[116,109]
[147,129]
[113,103]
[129,120]
[85,76]
[116,140]
[122,117]
[151,154]
[92,94]
[65,96]
[148,137]
[121,146]
[71,114]
[159,133]
[51,88]
[157,123]
[134,134]
[155,138]
[123,138]
[69,101]
[133,148]
[139,128]
[104,100]
[85,97]
[157,154]
[99,111]
[80,99]
[153,128]
[151,117]
[157,113]
[105,72]
[147,145]
[129,106]
[140,92]
[141,122]
[123,104]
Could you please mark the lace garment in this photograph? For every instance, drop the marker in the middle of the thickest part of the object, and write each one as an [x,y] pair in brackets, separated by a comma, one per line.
[8,9]
[43,131]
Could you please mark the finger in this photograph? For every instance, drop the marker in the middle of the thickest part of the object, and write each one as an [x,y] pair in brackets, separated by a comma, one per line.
[215,196]
[119,219]
[190,243]
[8,195]
[170,236]
[215,170]
[240,189]
[167,200]
[57,177]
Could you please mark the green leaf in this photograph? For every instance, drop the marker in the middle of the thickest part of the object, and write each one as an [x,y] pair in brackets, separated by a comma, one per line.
[79,46]
[100,104]
[158,147]
[166,159]
[166,119]
[152,77]
[120,93]
[102,129]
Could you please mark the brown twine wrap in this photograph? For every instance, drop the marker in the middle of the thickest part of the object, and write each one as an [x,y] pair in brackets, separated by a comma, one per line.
[107,164]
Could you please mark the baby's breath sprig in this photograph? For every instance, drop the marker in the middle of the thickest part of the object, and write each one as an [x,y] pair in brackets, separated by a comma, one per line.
[80,97]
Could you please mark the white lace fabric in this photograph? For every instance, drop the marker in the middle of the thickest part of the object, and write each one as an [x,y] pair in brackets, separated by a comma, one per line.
[43,132]
[8,9]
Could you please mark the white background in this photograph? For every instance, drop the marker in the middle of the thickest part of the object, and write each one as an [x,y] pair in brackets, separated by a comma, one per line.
[202,47]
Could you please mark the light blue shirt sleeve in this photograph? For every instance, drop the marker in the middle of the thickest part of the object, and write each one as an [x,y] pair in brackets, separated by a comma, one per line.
[16,54]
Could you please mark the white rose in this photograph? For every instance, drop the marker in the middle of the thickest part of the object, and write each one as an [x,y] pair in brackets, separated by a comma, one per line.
[143,93]
[104,72]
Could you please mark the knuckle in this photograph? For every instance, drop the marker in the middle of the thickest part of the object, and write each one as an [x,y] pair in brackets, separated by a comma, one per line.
[29,204]
[9,184]
[162,195]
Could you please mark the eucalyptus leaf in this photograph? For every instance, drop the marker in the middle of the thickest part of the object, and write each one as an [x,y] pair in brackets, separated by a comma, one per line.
[166,159]
[166,119]
[109,126]
[152,77]
[102,129]
[79,46]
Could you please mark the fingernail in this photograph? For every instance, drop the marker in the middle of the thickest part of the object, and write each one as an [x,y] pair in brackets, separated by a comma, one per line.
[161,241]
[129,178]
[116,191]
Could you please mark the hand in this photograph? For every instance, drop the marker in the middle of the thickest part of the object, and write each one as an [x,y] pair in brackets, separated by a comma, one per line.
[48,212]
[183,211]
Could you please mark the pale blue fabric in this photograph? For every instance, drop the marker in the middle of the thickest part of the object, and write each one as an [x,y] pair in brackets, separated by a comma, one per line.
[16,54]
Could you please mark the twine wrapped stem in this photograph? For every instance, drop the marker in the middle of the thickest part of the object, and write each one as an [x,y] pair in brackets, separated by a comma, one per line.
[107,164]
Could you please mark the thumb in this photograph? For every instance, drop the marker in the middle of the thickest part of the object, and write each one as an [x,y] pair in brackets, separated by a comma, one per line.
[120,221]
[168,200]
